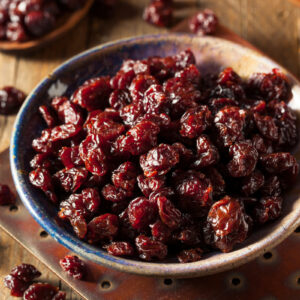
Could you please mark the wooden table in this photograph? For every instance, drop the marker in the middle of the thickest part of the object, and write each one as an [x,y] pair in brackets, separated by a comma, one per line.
[271,25]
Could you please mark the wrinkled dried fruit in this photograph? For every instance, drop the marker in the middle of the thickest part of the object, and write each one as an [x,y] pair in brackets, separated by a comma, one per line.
[6,196]
[159,160]
[10,100]
[160,156]
[141,212]
[74,266]
[43,291]
[204,22]
[120,249]
[150,249]
[226,224]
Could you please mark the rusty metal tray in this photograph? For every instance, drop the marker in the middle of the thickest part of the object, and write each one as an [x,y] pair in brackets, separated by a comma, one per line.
[275,275]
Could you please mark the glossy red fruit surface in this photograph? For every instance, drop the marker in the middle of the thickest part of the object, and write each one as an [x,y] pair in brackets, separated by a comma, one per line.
[161,156]
[10,100]
[6,196]
[226,224]
[44,291]
[74,266]
[204,22]
[158,13]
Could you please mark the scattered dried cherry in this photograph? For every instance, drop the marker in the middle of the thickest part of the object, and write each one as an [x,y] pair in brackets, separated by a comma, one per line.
[70,157]
[204,22]
[10,100]
[141,212]
[158,13]
[226,224]
[139,139]
[267,209]
[150,249]
[6,196]
[29,19]
[118,99]
[244,159]
[17,287]
[74,266]
[20,279]
[159,160]
[285,120]
[266,126]
[43,291]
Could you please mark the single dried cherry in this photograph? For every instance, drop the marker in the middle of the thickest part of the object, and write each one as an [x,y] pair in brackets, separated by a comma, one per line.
[204,22]
[150,249]
[10,100]
[74,266]
[6,196]
[43,291]
[159,160]
[120,249]
[226,224]
[158,13]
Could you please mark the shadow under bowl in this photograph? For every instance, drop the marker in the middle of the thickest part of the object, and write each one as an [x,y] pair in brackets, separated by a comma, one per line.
[212,54]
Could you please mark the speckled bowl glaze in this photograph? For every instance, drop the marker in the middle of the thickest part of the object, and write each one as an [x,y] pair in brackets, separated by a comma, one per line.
[211,54]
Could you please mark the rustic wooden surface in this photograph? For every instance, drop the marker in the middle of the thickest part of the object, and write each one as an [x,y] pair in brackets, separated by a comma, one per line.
[271,25]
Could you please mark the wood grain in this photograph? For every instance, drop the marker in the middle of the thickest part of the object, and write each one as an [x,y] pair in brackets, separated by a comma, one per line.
[271,25]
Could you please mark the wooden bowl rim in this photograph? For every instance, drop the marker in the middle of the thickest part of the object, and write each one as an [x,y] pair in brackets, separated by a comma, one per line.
[68,24]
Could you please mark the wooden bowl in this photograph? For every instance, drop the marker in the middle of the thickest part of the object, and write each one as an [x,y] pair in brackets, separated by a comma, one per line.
[66,23]
[212,54]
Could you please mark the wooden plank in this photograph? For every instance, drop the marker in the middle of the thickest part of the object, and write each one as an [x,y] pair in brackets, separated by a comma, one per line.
[271,25]
[8,65]
[229,12]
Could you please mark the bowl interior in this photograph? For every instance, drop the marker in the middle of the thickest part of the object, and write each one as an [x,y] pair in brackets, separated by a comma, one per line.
[212,54]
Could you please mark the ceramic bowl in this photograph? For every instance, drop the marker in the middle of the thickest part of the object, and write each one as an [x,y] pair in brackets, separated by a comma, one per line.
[212,54]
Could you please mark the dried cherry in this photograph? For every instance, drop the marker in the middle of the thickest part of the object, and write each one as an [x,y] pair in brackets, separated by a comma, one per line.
[74,266]
[161,155]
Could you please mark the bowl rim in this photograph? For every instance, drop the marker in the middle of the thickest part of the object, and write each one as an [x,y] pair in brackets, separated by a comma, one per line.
[200,268]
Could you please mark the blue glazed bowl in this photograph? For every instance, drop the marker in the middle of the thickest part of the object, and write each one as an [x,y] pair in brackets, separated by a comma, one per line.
[211,54]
